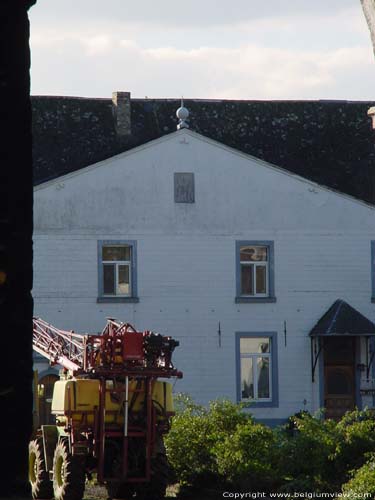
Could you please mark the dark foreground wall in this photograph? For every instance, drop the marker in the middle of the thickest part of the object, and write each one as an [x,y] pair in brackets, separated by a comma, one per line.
[15,248]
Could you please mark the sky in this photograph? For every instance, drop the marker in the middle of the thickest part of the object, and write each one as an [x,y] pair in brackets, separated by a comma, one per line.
[208,49]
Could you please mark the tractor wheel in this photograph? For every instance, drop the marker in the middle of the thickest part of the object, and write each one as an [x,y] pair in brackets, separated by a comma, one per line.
[68,474]
[41,486]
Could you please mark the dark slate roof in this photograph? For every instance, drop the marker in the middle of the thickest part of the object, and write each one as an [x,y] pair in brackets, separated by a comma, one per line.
[342,319]
[329,142]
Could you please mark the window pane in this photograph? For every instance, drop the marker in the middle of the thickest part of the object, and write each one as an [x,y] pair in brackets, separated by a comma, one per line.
[123,286]
[116,253]
[253,254]
[261,279]
[247,382]
[254,345]
[263,372]
[109,278]
[247,280]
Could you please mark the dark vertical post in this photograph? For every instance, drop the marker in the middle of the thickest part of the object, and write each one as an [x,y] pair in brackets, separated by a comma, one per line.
[15,247]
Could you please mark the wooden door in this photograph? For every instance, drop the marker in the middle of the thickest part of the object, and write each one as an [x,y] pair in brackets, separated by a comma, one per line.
[339,376]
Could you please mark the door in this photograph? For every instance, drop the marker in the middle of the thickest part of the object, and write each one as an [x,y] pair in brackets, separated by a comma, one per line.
[339,376]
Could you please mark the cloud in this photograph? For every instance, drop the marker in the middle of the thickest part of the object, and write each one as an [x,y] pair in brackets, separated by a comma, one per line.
[255,72]
[177,13]
[102,63]
[255,50]
[345,27]
[97,45]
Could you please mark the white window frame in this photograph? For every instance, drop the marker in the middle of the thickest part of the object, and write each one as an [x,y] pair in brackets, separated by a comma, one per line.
[132,296]
[255,357]
[255,264]
[117,264]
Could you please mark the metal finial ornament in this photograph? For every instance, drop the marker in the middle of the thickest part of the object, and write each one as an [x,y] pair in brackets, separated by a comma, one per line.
[182,114]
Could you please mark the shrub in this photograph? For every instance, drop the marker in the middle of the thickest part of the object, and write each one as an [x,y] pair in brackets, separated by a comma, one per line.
[356,415]
[356,439]
[307,455]
[362,482]
[322,452]
[246,458]
[195,431]
[222,445]
[307,484]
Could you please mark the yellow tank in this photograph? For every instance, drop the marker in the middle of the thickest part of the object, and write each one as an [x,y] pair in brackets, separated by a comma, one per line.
[79,398]
[162,396]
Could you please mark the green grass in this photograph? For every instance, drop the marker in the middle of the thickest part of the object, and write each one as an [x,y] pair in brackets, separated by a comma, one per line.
[96,492]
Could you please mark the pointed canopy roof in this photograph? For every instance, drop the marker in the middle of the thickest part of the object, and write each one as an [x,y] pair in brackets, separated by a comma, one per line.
[342,319]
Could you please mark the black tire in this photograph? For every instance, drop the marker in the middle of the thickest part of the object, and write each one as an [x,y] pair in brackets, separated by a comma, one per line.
[68,474]
[41,486]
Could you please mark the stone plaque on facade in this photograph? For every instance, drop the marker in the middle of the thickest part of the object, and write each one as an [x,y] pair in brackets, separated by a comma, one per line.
[184,187]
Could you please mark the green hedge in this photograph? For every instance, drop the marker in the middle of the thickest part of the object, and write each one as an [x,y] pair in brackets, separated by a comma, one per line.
[247,457]
[306,455]
[356,431]
[362,482]
[221,445]
[195,433]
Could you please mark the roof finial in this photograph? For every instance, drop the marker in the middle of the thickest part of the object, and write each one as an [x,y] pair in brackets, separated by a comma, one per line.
[182,114]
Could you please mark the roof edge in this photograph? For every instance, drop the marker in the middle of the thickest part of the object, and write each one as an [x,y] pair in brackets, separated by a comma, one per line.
[213,142]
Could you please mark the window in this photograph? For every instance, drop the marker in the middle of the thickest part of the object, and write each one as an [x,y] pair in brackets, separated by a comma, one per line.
[184,191]
[117,271]
[255,282]
[257,368]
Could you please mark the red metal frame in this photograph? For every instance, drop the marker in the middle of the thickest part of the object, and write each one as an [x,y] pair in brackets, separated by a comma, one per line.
[120,353]
[59,346]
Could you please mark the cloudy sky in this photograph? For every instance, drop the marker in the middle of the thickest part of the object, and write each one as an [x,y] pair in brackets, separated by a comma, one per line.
[219,49]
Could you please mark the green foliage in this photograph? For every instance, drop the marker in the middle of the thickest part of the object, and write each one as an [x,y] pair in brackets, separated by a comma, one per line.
[246,458]
[195,432]
[362,482]
[223,445]
[321,453]
[356,440]
[351,417]
[302,483]
[306,455]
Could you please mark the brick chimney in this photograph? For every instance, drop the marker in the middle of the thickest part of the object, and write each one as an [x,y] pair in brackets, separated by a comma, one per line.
[121,113]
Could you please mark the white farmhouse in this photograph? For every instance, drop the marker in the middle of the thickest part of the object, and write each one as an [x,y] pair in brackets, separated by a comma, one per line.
[263,275]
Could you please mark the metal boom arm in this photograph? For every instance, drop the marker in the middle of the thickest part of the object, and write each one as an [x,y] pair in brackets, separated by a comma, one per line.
[58,346]
[118,350]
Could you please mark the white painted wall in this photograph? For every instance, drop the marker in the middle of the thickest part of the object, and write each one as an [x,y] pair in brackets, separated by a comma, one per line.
[186,257]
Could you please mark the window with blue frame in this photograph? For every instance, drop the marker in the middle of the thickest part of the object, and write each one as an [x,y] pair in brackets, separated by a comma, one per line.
[255,271]
[257,368]
[117,271]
